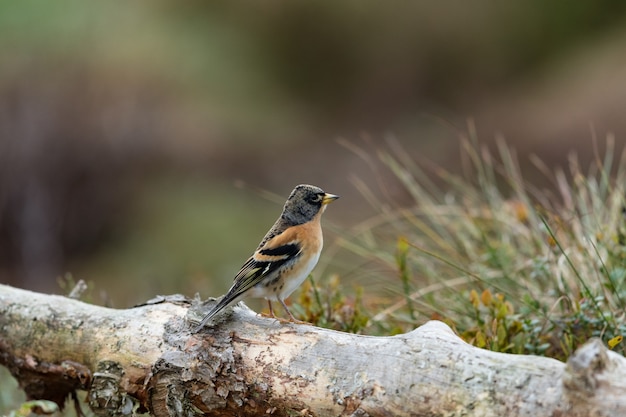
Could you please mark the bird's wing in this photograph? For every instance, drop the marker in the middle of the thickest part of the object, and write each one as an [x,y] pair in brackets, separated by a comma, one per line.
[263,264]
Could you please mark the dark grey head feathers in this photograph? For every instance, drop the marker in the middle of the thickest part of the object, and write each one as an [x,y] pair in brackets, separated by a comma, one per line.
[304,202]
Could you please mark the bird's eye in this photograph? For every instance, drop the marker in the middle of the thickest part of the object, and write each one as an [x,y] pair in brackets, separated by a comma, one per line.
[315,198]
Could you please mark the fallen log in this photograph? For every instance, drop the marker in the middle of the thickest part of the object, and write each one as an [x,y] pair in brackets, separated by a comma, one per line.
[147,359]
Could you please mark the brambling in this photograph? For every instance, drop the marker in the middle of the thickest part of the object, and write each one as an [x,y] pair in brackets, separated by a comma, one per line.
[286,255]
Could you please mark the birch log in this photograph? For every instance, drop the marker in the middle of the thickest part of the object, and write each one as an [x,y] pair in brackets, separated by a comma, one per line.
[145,359]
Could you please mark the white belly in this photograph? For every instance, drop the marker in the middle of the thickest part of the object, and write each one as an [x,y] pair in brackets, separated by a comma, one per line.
[296,281]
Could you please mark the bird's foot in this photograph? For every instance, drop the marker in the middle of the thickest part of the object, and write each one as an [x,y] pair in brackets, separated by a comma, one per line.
[296,321]
[292,319]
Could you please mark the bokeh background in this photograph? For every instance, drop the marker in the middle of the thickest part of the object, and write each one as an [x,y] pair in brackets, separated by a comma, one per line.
[147,147]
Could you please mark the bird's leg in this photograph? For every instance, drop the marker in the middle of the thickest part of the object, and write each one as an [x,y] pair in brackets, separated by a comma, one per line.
[291,317]
[271,313]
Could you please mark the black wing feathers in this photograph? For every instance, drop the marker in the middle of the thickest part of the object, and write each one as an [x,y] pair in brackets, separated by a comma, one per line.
[253,272]
[288,250]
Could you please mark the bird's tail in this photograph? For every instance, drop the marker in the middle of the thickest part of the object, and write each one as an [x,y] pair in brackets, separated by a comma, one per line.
[221,305]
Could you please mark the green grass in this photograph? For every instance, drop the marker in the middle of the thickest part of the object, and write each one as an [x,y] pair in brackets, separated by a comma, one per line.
[511,267]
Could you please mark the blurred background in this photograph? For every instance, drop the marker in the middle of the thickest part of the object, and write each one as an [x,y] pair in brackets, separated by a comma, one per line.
[147,148]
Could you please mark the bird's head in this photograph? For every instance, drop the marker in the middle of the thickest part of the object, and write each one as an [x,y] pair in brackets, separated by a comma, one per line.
[305,202]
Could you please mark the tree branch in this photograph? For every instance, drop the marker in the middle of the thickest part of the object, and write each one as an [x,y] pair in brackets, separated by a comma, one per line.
[145,358]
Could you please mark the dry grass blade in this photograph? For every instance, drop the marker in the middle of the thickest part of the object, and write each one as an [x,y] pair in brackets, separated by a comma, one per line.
[548,263]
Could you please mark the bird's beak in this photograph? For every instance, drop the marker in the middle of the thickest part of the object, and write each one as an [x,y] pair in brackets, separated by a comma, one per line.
[329,198]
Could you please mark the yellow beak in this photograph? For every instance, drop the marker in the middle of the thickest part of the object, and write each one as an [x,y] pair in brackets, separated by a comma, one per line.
[329,198]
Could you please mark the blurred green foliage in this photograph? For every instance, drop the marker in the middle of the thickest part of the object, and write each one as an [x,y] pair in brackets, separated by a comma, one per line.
[180,232]
[10,395]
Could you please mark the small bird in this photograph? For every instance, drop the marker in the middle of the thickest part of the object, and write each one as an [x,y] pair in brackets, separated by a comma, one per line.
[286,255]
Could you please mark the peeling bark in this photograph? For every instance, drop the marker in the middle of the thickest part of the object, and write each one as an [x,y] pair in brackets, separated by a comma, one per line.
[146,359]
